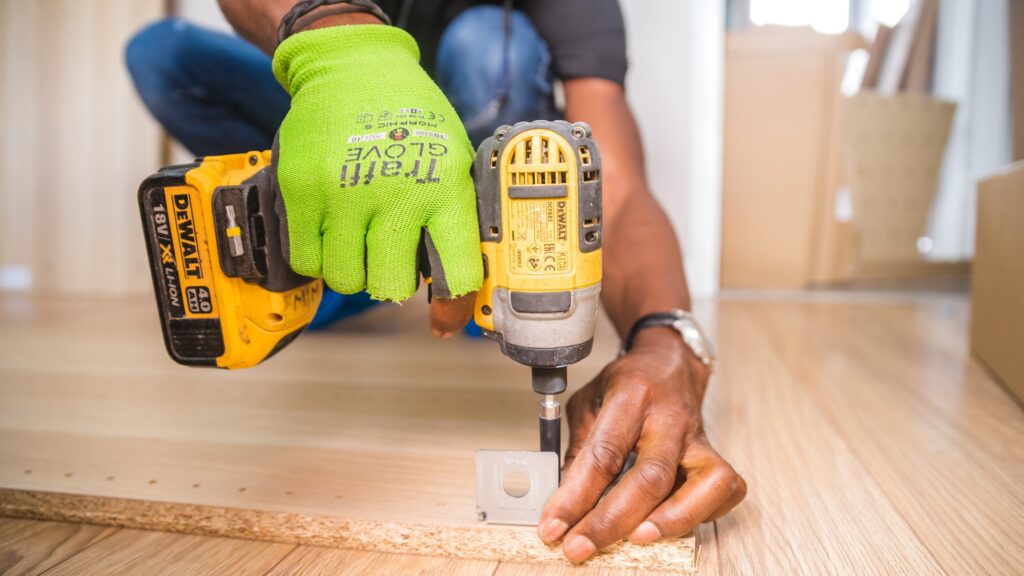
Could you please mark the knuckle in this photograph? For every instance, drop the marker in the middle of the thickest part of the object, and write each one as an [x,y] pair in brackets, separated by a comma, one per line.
[607,458]
[655,478]
[724,478]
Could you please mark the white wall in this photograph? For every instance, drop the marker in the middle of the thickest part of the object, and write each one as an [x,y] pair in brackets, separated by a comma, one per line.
[675,85]
[972,69]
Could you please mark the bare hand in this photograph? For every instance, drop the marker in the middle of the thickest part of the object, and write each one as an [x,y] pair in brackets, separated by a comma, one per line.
[648,401]
[448,316]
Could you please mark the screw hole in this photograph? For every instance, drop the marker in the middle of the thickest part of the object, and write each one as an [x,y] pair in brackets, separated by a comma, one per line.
[253,160]
[516,483]
[275,318]
[486,310]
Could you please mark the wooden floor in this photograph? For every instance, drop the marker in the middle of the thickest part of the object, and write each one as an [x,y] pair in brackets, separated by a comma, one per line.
[870,440]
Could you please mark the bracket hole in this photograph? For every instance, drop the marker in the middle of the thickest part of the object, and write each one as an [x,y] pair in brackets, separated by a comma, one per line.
[516,483]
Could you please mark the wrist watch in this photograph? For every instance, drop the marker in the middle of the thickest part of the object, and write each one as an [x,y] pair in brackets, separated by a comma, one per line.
[683,322]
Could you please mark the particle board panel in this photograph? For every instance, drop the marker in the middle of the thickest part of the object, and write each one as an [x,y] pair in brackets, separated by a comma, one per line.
[29,548]
[357,438]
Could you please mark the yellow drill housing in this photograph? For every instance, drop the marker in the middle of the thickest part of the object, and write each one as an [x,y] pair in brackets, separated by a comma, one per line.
[538,187]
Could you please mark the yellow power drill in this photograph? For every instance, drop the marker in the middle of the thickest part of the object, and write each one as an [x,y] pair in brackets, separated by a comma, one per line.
[538,190]
[227,296]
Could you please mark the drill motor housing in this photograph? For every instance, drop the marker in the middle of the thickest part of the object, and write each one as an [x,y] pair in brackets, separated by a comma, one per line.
[538,187]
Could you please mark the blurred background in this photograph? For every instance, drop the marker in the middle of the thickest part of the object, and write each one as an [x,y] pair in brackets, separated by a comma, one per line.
[796,144]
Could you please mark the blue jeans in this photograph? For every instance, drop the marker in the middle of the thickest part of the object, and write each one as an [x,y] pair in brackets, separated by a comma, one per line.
[216,93]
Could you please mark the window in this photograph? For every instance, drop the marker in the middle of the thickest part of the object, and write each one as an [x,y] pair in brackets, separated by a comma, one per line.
[827,16]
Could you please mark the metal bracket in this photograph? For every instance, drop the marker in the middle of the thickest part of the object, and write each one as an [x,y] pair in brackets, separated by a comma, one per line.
[512,486]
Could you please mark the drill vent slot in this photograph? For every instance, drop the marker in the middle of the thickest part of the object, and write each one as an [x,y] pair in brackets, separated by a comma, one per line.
[537,178]
[591,175]
[540,162]
[585,155]
[590,222]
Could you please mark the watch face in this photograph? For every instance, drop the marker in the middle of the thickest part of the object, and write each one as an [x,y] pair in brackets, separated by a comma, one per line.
[695,339]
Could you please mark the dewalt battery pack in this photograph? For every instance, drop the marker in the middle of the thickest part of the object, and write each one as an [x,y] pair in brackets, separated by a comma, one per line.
[226,295]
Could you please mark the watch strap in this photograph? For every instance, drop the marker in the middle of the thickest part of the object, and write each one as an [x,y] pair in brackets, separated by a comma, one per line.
[667,319]
[304,7]
[682,322]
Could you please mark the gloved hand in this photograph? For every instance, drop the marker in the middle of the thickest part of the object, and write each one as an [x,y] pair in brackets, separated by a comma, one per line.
[370,154]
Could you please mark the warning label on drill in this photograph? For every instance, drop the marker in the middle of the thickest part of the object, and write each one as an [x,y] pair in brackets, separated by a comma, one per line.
[539,237]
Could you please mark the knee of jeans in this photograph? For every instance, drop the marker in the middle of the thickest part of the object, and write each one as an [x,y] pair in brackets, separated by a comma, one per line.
[154,56]
[473,45]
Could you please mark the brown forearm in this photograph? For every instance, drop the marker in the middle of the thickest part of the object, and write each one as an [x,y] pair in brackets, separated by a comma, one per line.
[643,266]
[257,20]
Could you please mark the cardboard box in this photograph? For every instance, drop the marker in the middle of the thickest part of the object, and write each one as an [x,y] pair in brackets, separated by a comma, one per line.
[782,162]
[894,151]
[997,284]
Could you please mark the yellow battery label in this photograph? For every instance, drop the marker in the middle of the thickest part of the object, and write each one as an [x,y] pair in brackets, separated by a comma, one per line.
[539,237]
[192,251]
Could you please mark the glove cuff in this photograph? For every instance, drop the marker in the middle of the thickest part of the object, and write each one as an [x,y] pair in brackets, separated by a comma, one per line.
[347,48]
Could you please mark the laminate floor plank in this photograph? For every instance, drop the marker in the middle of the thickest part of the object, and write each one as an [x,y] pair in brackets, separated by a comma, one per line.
[813,507]
[134,552]
[942,441]
[316,561]
[29,548]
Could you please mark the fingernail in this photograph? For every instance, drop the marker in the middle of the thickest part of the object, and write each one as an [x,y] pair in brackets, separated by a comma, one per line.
[646,533]
[551,530]
[578,548]
[441,333]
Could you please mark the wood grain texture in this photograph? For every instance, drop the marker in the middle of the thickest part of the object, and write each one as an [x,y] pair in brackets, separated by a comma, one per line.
[29,548]
[313,561]
[362,438]
[132,552]
[75,141]
[871,441]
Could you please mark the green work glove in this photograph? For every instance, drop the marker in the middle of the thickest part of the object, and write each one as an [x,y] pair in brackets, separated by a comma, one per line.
[370,155]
